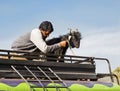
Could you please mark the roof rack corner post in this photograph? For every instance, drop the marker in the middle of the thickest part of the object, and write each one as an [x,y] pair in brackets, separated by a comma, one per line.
[110,70]
[109,67]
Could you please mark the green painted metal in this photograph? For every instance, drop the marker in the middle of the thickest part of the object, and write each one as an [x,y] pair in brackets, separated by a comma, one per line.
[73,87]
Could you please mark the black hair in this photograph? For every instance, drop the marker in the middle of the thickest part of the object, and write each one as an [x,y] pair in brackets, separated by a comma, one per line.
[46,26]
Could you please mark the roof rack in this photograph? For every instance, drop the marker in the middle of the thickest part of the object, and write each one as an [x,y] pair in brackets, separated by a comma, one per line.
[72,69]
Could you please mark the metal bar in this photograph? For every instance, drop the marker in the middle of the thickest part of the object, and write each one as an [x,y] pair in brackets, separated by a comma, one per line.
[104,75]
[116,79]
[109,66]
[68,57]
[47,77]
[57,76]
[45,74]
[21,76]
[35,77]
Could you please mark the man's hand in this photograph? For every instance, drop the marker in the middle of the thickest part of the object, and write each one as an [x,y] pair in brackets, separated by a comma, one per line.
[63,43]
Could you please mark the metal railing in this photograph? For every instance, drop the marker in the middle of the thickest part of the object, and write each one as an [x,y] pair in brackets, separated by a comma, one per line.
[68,58]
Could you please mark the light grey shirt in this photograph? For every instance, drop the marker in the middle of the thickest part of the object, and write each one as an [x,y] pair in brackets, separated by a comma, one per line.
[32,41]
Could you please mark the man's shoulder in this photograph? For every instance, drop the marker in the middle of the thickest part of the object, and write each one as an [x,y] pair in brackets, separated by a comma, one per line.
[35,30]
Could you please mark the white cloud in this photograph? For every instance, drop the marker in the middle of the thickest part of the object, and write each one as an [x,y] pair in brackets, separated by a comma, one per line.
[104,43]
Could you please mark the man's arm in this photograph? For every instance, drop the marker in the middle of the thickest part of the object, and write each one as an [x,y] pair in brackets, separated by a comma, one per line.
[36,38]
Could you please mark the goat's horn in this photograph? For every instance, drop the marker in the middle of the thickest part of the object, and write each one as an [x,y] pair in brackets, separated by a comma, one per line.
[70,30]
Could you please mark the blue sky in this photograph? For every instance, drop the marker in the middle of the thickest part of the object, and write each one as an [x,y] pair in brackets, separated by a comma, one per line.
[97,20]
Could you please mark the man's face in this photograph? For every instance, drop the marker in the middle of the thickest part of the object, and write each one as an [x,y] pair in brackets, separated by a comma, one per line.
[45,33]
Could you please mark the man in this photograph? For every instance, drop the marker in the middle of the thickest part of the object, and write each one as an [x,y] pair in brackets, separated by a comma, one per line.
[34,41]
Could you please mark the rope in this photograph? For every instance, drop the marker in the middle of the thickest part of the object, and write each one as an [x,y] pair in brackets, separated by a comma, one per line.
[70,45]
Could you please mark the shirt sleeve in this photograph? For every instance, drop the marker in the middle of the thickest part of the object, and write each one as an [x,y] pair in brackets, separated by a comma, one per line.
[36,38]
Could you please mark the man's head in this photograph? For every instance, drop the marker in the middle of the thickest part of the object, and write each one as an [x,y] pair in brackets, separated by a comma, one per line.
[46,28]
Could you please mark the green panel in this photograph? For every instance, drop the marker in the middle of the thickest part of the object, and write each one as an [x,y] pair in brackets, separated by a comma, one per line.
[97,87]
[73,87]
